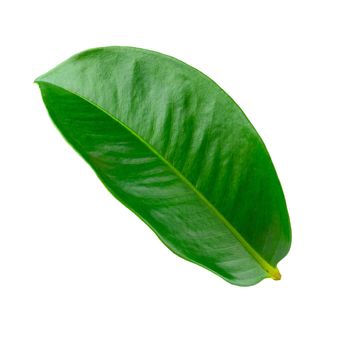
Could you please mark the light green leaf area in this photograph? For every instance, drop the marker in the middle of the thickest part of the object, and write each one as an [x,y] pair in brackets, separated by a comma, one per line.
[175,149]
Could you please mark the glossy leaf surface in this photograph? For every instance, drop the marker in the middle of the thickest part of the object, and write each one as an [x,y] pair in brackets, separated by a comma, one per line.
[174,148]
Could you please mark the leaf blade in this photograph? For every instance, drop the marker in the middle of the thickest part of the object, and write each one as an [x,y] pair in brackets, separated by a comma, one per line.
[207,262]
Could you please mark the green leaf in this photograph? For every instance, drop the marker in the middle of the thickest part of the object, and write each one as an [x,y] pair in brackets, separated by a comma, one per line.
[175,149]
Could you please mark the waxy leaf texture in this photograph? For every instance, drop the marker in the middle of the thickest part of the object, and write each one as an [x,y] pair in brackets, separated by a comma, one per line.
[175,149]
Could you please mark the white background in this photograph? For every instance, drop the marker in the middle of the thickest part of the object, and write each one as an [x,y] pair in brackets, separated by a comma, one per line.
[79,271]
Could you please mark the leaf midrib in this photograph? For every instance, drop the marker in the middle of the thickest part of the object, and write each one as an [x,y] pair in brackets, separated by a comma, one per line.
[272,272]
